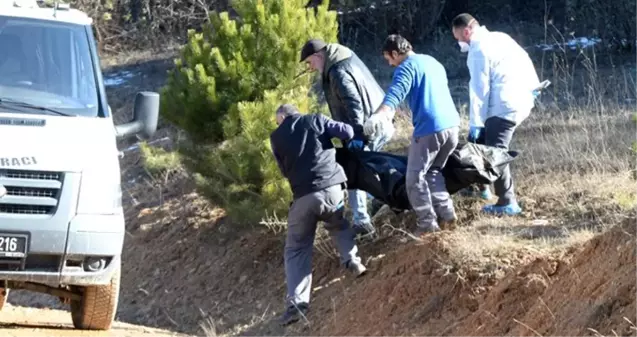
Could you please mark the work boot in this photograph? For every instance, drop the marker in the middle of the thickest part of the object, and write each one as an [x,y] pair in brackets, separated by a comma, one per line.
[420,232]
[376,206]
[357,268]
[364,230]
[294,313]
[448,224]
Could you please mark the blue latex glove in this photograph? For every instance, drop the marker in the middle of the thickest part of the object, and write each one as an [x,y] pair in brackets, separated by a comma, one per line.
[474,133]
[355,144]
[536,93]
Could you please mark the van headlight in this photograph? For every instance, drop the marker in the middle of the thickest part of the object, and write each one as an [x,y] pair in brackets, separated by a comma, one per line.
[100,193]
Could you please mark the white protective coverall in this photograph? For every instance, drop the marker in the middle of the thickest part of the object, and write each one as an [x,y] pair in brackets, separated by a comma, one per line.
[502,78]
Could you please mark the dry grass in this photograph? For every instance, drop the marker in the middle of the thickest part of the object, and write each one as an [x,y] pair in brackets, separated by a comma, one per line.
[492,245]
[573,180]
[210,326]
[136,56]
[572,186]
[630,327]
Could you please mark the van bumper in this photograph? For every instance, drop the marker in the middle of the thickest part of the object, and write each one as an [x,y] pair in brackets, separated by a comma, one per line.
[92,254]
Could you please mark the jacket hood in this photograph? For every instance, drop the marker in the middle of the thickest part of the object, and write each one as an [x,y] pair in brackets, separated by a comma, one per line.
[335,53]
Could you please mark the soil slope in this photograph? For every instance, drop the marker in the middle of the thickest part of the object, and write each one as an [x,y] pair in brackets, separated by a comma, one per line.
[187,269]
[589,291]
[592,291]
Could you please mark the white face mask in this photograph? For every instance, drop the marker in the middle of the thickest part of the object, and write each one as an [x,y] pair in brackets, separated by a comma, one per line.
[464,47]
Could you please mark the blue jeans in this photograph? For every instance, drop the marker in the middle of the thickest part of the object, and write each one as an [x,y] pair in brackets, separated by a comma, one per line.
[357,199]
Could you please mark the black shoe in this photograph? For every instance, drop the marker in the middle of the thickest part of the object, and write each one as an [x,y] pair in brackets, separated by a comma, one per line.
[365,231]
[294,313]
[420,232]
[376,206]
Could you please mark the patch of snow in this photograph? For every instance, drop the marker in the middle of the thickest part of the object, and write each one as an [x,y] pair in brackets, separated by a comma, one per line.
[363,8]
[118,78]
[136,145]
[583,42]
[574,44]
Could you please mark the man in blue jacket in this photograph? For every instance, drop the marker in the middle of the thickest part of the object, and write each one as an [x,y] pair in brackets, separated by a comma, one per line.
[305,155]
[436,122]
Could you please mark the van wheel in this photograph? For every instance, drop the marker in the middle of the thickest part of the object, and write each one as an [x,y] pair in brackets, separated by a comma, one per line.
[96,310]
[4,293]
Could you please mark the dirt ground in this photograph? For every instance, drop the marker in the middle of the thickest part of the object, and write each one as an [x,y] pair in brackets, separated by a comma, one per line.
[19,321]
[590,290]
[189,271]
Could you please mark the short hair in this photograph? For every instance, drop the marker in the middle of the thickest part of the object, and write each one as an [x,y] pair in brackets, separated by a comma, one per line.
[463,20]
[287,109]
[395,42]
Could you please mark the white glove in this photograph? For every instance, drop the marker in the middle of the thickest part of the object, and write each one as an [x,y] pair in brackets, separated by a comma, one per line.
[373,125]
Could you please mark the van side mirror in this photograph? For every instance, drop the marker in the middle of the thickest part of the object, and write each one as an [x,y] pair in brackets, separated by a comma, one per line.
[145,116]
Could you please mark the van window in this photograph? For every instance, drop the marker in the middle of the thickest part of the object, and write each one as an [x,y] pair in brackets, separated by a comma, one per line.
[48,64]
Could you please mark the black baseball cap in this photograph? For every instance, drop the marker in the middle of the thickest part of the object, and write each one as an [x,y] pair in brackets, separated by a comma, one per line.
[311,47]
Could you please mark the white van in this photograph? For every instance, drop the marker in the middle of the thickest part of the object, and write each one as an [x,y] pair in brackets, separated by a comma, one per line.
[61,216]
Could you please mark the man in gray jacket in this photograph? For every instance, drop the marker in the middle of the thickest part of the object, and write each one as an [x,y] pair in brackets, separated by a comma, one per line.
[352,95]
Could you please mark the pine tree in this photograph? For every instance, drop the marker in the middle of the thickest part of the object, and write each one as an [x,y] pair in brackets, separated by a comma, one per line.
[223,92]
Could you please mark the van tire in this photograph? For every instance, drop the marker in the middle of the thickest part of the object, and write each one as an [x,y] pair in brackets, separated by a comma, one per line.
[96,310]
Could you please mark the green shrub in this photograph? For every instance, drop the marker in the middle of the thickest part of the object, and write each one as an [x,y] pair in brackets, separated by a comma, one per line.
[224,90]
[159,161]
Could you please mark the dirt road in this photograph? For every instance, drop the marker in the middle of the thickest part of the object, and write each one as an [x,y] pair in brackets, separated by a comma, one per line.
[23,321]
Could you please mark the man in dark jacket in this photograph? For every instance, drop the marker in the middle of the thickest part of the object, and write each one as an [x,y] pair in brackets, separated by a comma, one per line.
[352,95]
[305,154]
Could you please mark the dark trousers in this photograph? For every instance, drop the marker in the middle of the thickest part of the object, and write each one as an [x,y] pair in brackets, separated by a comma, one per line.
[498,132]
[305,213]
